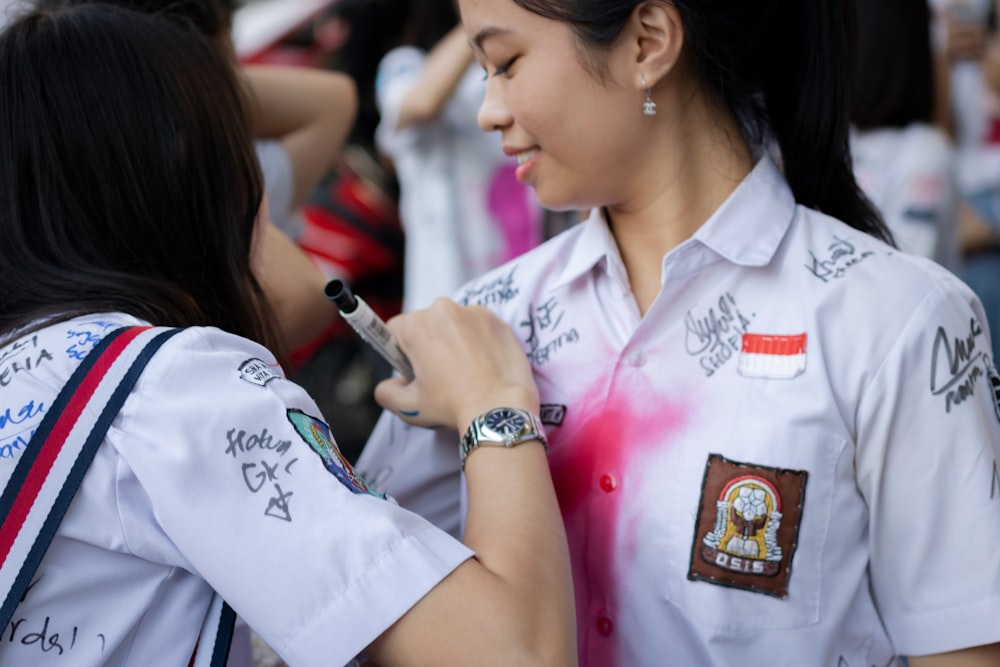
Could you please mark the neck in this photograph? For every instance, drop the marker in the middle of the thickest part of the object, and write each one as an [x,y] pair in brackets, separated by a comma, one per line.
[696,158]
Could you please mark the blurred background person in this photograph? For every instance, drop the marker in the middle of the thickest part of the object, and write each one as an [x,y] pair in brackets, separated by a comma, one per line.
[462,209]
[903,162]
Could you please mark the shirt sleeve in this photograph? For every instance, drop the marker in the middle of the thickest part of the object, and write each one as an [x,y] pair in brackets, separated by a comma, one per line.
[926,459]
[417,467]
[279,182]
[398,73]
[245,483]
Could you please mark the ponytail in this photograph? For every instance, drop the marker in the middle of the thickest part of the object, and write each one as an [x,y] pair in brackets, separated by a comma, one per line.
[806,85]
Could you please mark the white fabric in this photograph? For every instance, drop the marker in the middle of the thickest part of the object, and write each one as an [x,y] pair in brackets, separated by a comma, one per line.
[279,183]
[203,482]
[909,174]
[892,419]
[446,170]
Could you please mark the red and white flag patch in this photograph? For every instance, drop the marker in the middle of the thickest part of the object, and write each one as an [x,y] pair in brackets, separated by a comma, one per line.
[771,356]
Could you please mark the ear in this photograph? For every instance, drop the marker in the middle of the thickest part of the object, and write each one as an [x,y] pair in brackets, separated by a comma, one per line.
[657,32]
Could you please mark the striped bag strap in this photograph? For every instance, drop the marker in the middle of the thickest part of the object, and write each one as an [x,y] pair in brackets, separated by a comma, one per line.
[49,472]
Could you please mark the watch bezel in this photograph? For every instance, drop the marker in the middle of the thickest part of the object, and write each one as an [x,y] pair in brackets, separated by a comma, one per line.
[480,432]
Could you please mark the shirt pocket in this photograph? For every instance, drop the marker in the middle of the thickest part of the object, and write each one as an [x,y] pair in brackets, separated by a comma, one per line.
[756,527]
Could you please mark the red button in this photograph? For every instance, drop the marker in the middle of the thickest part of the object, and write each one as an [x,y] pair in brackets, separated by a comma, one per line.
[608,483]
[604,626]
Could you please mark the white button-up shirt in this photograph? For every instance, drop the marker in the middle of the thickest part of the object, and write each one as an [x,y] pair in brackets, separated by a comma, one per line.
[217,473]
[791,459]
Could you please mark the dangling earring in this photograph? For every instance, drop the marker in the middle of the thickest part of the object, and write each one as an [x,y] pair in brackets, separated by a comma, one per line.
[649,106]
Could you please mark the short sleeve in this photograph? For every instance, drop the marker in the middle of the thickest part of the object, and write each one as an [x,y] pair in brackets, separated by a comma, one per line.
[246,483]
[279,183]
[417,467]
[927,447]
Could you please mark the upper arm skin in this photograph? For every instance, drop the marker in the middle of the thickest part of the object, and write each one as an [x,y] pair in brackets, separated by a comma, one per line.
[977,656]
[310,111]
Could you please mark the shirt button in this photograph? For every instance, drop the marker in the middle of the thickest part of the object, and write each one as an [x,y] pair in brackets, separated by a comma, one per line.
[604,626]
[608,483]
[636,358]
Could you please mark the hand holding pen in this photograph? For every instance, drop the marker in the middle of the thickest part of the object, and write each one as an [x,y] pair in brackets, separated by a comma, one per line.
[467,361]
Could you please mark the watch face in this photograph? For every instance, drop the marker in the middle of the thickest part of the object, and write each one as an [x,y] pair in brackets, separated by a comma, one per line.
[505,421]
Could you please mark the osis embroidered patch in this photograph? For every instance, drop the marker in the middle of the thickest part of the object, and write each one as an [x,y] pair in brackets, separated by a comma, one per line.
[747,526]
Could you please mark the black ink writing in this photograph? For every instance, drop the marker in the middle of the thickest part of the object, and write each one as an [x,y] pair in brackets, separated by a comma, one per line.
[278,505]
[255,477]
[495,292]
[542,325]
[957,375]
[22,365]
[842,256]
[714,336]
[240,442]
[17,347]
[262,474]
[42,637]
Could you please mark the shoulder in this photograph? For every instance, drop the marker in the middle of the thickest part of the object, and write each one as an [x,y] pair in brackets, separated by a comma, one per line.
[867,283]
[536,272]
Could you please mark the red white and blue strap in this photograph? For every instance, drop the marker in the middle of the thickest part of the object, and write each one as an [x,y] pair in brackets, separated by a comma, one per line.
[49,472]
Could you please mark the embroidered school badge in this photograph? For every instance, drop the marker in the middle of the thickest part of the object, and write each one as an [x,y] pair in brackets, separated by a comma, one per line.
[747,526]
[256,371]
[317,435]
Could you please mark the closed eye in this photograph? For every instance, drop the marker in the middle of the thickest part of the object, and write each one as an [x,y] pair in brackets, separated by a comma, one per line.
[499,71]
[503,70]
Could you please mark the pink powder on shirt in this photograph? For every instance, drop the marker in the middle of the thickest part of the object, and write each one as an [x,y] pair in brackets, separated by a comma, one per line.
[598,461]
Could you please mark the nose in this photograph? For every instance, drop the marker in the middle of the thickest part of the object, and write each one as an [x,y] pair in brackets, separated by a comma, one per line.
[493,112]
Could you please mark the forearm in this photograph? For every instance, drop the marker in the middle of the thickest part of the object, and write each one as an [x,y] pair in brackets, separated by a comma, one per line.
[294,288]
[513,604]
[978,656]
[443,70]
[310,111]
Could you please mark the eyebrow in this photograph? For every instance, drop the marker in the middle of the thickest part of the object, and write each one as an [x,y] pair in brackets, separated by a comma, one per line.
[485,34]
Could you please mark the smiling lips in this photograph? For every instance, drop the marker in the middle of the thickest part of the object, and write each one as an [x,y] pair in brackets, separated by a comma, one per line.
[524,156]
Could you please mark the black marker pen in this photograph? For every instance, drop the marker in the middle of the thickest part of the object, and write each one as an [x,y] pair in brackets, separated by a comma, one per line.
[368,324]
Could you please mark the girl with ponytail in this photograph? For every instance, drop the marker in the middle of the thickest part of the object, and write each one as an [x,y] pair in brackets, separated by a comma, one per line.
[774,436]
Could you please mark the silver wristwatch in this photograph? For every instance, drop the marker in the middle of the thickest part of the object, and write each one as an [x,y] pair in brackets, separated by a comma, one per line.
[501,427]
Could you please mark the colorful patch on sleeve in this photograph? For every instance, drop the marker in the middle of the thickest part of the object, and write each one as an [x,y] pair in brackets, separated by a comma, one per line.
[317,435]
[747,526]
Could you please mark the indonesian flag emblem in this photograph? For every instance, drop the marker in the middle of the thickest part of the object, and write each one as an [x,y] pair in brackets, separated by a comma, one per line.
[772,357]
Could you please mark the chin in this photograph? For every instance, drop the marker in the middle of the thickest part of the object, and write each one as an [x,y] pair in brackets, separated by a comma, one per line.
[564,201]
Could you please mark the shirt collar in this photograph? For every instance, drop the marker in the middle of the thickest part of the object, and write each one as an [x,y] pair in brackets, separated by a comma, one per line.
[749,226]
[746,230]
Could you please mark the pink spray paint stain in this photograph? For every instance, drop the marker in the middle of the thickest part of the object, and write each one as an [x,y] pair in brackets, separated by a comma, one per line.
[593,467]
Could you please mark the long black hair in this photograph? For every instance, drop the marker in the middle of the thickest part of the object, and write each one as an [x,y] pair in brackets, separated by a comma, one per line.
[213,18]
[128,181]
[894,74]
[783,69]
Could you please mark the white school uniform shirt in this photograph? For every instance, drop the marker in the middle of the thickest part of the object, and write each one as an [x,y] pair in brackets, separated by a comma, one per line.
[791,459]
[210,477]
[909,174]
